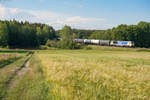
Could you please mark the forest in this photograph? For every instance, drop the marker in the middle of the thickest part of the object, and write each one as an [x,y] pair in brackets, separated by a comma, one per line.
[139,33]
[15,34]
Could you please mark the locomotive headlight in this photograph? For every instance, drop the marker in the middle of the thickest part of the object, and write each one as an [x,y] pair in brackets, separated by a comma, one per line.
[130,44]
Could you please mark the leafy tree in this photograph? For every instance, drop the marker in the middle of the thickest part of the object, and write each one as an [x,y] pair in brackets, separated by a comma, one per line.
[15,34]
[3,35]
[133,34]
[66,36]
[97,35]
[108,35]
[144,34]
[44,33]
[29,37]
[40,35]
[120,33]
[24,34]
[82,34]
[140,34]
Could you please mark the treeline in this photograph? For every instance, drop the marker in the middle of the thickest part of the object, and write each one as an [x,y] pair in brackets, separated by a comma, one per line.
[139,33]
[82,34]
[16,34]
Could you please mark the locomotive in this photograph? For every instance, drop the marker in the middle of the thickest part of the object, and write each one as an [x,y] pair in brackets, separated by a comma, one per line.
[106,42]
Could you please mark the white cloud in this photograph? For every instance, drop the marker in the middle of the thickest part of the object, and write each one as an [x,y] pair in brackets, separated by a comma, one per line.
[57,20]
[3,10]
[15,11]
[78,19]
[77,5]
[41,1]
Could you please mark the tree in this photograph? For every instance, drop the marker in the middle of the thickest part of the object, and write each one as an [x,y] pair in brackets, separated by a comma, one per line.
[3,34]
[120,33]
[24,34]
[133,34]
[66,36]
[39,33]
[102,35]
[45,33]
[144,34]
[83,34]
[14,34]
[30,39]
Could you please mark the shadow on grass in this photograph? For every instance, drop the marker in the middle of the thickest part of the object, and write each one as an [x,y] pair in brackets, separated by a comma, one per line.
[9,61]
[144,50]
[13,51]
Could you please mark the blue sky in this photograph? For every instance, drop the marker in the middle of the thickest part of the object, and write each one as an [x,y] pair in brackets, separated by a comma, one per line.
[81,14]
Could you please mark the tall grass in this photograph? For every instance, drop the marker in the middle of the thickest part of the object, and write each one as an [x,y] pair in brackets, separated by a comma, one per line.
[6,59]
[98,74]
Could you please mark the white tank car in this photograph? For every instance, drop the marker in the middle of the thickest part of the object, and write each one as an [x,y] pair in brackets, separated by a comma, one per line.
[105,42]
[87,41]
[97,42]
[79,40]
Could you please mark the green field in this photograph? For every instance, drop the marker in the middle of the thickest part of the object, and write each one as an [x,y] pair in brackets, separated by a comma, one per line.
[103,73]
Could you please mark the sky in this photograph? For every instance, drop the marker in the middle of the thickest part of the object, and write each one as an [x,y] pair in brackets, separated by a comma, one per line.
[79,14]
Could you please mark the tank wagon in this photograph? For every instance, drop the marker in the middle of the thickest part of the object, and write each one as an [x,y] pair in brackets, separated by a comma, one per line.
[106,42]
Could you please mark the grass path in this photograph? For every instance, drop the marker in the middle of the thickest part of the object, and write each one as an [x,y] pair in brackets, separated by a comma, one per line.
[8,73]
[19,74]
[30,83]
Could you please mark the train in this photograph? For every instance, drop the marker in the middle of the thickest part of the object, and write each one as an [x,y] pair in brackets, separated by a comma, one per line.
[106,42]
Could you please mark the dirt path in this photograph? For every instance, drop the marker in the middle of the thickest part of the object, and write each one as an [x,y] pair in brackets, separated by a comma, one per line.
[12,83]
[19,75]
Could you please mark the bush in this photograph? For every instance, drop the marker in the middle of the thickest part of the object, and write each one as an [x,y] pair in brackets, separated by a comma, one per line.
[43,47]
[69,45]
[87,48]
[51,43]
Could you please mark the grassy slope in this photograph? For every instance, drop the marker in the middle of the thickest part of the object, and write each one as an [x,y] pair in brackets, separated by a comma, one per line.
[100,74]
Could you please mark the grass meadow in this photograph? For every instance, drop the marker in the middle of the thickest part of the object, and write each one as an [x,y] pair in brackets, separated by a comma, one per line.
[102,73]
